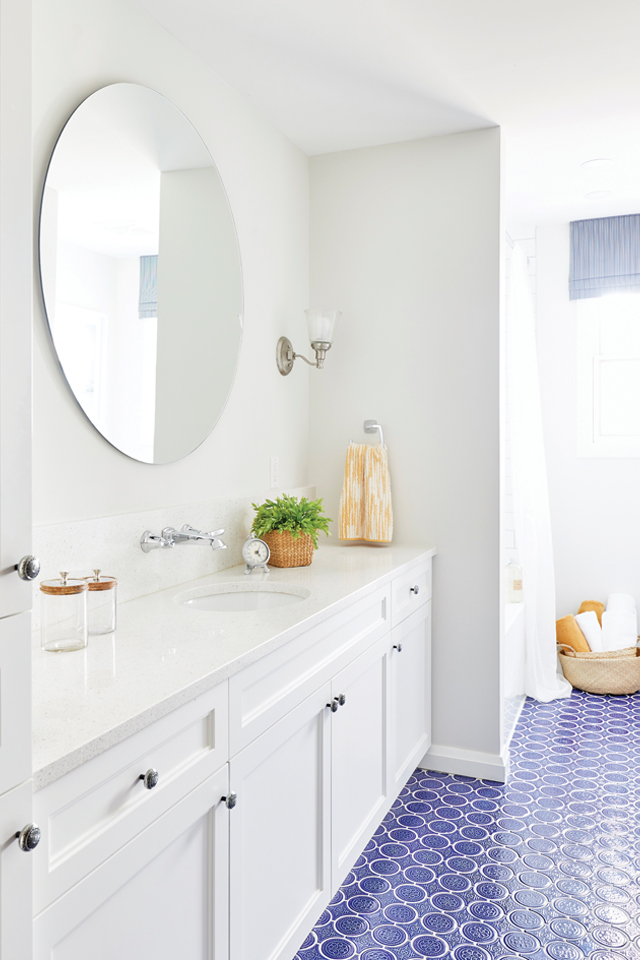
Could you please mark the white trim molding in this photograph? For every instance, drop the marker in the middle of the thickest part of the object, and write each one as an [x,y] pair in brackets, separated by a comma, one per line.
[469,763]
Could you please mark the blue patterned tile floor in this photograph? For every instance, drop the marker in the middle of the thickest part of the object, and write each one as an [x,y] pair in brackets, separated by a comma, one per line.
[545,867]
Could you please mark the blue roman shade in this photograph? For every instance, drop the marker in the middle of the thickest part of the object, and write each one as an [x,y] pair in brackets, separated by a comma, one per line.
[605,256]
[148,302]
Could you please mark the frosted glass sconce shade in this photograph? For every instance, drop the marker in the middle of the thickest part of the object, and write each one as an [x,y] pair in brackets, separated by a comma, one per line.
[320,324]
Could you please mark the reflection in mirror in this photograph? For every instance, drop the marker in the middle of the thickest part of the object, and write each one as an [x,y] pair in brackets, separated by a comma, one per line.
[141,273]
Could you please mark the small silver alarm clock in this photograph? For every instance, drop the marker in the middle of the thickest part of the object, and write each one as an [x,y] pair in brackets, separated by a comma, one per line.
[255,553]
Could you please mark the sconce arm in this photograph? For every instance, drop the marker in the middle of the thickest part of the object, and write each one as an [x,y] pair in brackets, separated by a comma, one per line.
[300,356]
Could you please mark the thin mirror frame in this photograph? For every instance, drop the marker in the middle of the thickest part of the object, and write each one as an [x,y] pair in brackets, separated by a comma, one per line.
[52,153]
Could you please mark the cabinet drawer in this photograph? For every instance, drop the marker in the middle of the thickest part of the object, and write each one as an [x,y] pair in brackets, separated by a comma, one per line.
[162,896]
[265,691]
[89,813]
[410,591]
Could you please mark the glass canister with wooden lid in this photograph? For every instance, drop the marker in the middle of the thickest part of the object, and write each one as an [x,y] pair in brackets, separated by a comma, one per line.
[101,604]
[64,614]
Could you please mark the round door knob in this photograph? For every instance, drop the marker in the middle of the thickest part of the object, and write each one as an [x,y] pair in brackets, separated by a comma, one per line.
[333,706]
[231,800]
[150,778]
[341,699]
[415,590]
[28,568]
[398,647]
[28,838]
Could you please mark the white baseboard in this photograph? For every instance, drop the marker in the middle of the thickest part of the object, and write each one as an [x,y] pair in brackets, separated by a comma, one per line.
[469,763]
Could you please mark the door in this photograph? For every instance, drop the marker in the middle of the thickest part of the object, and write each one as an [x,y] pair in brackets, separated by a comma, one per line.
[15,876]
[16,272]
[359,764]
[279,833]
[410,662]
[15,301]
[164,895]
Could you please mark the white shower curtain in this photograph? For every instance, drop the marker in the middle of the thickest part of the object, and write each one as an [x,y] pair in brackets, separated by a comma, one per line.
[543,678]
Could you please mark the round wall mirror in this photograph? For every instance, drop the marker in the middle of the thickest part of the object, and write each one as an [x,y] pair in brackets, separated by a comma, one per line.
[140,272]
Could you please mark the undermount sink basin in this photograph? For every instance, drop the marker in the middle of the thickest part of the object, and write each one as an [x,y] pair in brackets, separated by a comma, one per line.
[235,597]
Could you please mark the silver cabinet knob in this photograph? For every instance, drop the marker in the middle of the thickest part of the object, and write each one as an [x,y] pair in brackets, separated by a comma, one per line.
[338,701]
[398,647]
[150,778]
[415,590]
[28,568]
[230,800]
[29,838]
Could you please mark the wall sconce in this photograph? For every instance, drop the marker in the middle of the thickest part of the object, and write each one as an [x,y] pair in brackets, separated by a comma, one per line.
[320,324]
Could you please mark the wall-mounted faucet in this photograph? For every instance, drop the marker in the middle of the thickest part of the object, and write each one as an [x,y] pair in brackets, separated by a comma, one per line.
[187,534]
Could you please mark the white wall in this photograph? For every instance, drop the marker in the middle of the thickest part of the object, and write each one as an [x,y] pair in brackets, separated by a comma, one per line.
[595,501]
[79,46]
[199,309]
[405,240]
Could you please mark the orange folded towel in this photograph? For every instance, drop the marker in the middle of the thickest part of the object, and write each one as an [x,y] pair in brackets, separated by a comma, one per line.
[366,512]
[595,605]
[568,632]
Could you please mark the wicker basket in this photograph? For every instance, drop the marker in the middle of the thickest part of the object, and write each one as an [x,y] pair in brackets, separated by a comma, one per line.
[287,551]
[615,672]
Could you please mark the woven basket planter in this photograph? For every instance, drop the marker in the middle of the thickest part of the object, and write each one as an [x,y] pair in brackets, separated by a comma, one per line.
[287,551]
[615,672]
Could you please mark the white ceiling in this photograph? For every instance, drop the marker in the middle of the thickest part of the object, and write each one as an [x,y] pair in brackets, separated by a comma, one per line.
[562,78]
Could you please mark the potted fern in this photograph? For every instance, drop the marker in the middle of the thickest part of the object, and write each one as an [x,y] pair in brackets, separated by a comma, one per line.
[289,526]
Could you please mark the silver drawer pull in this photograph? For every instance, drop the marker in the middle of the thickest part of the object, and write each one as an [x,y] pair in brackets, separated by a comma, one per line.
[415,590]
[150,778]
[230,800]
[398,647]
[341,698]
[29,837]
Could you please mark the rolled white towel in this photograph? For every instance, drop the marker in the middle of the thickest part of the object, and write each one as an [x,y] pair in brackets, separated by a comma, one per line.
[621,601]
[590,626]
[619,629]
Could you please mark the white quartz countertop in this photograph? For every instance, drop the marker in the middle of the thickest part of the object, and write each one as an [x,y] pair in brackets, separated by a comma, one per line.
[164,654]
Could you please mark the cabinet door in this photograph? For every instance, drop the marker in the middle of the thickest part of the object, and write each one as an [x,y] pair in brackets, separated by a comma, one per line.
[410,662]
[15,876]
[163,895]
[279,834]
[359,767]
[15,302]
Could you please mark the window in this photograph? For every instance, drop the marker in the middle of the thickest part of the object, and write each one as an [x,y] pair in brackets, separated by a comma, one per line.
[609,376]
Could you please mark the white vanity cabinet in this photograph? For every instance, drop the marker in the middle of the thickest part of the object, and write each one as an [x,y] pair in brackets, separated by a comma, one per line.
[124,871]
[280,829]
[271,785]
[359,756]
[162,895]
[410,673]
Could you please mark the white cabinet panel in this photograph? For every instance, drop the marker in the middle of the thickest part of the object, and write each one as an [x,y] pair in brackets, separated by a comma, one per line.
[410,661]
[279,830]
[15,700]
[164,895]
[15,876]
[89,813]
[359,767]
[15,302]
